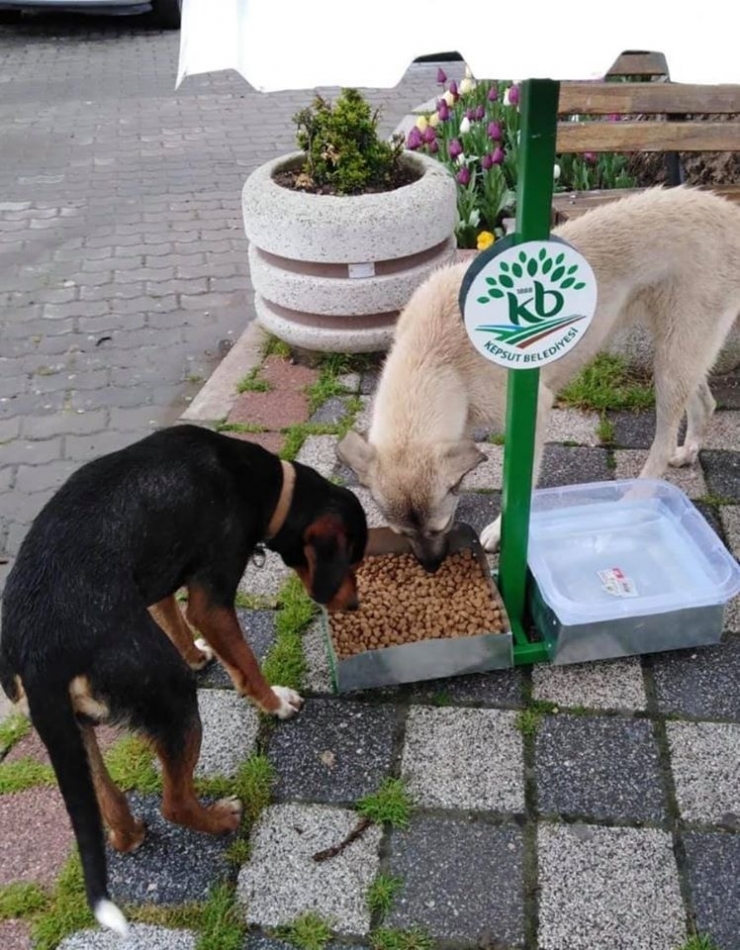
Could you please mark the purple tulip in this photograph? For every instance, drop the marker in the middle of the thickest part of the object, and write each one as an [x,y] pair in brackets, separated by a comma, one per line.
[513,95]
[433,147]
[487,161]
[443,110]
[414,139]
[453,89]
[494,131]
[480,113]
[470,114]
[429,134]
[463,176]
[455,148]
[590,158]
[493,94]
[441,77]
[498,156]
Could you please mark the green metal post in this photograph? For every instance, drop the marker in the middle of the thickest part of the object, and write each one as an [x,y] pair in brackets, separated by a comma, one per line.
[539,107]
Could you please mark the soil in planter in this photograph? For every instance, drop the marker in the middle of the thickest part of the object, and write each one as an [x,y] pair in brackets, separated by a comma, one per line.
[401,603]
[297,180]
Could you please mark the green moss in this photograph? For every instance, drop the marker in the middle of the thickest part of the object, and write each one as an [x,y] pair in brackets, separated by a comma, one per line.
[308,932]
[23,774]
[608,383]
[391,804]
[21,900]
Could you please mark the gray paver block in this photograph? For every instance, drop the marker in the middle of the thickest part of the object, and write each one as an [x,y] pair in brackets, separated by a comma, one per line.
[608,685]
[633,430]
[690,479]
[15,935]
[571,465]
[731,523]
[608,889]
[258,627]
[722,473]
[350,381]
[335,751]
[724,431]
[599,766]
[266,580]
[174,865]
[462,880]
[141,936]
[6,706]
[706,770]
[365,415]
[282,881]
[573,425]
[497,688]
[317,678]
[464,758]
[714,872]
[331,412]
[700,683]
[478,509]
[230,725]
[319,451]
[488,474]
[373,514]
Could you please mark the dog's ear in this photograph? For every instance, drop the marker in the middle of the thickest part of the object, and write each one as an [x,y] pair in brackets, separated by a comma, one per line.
[357,453]
[327,553]
[458,460]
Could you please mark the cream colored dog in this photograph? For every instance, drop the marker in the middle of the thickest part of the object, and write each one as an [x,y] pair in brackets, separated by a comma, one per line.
[669,259]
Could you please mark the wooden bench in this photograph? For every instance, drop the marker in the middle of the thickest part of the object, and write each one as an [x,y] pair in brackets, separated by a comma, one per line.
[660,119]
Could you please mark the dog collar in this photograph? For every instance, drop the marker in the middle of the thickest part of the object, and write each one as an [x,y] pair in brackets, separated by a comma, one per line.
[284,501]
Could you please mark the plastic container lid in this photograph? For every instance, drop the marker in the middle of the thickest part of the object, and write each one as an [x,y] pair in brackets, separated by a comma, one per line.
[608,550]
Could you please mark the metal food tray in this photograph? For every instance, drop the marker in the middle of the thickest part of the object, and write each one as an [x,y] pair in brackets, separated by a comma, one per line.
[427,659]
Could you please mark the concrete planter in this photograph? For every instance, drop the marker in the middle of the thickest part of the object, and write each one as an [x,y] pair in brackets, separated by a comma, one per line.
[332,273]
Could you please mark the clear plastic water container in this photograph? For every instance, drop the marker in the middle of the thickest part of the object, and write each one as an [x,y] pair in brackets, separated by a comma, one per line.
[625,567]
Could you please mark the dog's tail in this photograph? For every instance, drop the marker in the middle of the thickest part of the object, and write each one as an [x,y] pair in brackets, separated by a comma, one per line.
[54,718]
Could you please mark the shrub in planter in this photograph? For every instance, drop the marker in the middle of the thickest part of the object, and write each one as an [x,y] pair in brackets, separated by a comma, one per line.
[342,232]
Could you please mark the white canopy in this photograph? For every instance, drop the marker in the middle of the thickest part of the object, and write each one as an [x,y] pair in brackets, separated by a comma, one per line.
[302,44]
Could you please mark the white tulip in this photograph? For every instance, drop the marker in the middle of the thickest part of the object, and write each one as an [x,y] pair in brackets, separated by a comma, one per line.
[466,85]
[421,123]
[465,125]
[556,172]
[449,98]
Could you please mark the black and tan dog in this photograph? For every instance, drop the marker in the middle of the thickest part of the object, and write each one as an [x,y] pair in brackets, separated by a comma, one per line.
[182,507]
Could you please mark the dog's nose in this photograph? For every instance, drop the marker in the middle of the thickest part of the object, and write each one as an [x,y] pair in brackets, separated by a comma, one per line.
[431,564]
[353,604]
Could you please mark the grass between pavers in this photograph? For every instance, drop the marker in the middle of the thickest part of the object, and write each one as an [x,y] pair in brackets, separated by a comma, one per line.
[608,383]
[309,931]
[12,729]
[65,911]
[387,939]
[23,774]
[275,347]
[699,942]
[130,761]
[21,900]
[392,804]
[715,500]
[528,719]
[297,434]
[243,427]
[382,893]
[253,382]
[285,664]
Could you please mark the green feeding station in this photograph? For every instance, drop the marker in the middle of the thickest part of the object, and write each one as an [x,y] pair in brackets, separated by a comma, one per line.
[603,570]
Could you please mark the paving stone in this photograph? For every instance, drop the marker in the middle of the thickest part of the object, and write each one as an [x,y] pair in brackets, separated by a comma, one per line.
[711,514]
[267,579]
[573,425]
[616,684]
[364,416]
[731,523]
[174,865]
[31,746]
[633,430]
[722,473]
[462,880]
[726,390]
[35,836]
[714,872]
[464,758]
[272,441]
[350,381]
[317,678]
[6,707]
[286,376]
[282,881]
[259,632]
[373,514]
[369,381]
[142,935]
[15,935]
[599,766]
[335,751]
[478,509]
[723,431]
[230,723]
[331,412]
[706,770]
[497,688]
[273,410]
[608,889]
[629,463]
[573,465]
[700,683]
[319,451]
[731,617]
[488,474]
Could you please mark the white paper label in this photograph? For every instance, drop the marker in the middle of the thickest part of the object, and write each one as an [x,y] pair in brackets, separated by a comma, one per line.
[362,270]
[614,581]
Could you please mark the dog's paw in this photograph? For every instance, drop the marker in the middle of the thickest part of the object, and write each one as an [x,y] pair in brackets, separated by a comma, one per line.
[490,536]
[684,455]
[290,702]
[128,840]
[204,654]
[227,813]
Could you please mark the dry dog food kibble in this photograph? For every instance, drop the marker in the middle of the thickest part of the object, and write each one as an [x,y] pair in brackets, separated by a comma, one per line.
[401,603]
